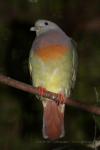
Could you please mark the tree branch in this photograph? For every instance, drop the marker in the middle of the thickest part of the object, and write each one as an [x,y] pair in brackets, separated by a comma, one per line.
[33,90]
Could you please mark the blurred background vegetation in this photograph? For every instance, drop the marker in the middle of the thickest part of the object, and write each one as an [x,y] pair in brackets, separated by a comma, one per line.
[20,112]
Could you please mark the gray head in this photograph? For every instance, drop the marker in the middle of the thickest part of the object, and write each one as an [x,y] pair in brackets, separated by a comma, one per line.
[42,26]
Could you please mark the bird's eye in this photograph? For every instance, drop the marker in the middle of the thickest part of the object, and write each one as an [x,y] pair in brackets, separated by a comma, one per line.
[46,23]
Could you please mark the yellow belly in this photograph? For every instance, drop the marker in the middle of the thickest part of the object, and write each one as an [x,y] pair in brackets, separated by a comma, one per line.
[54,75]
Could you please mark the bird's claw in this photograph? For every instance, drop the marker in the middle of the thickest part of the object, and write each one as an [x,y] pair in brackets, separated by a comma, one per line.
[60,99]
[41,91]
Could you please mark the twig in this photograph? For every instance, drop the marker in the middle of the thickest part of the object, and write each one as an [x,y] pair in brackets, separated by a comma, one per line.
[96,143]
[33,90]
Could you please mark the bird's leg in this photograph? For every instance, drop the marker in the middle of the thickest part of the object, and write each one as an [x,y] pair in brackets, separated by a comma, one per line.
[41,91]
[60,98]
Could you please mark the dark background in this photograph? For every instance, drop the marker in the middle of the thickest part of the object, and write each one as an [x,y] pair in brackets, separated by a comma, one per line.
[20,112]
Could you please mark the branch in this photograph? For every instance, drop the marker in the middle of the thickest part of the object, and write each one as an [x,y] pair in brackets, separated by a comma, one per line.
[33,90]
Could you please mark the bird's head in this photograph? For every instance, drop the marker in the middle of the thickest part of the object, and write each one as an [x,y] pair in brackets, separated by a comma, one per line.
[42,26]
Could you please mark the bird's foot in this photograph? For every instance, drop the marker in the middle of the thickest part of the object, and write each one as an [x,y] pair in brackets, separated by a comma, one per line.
[41,91]
[60,98]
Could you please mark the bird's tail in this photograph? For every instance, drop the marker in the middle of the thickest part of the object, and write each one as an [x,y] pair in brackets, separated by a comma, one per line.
[53,120]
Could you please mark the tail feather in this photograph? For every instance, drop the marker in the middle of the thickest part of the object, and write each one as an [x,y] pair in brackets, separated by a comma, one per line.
[53,121]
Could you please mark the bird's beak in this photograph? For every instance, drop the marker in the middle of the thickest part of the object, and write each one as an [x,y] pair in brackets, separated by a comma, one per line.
[37,28]
[33,29]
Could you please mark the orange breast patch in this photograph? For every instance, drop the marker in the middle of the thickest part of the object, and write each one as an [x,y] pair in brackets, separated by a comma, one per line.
[51,52]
